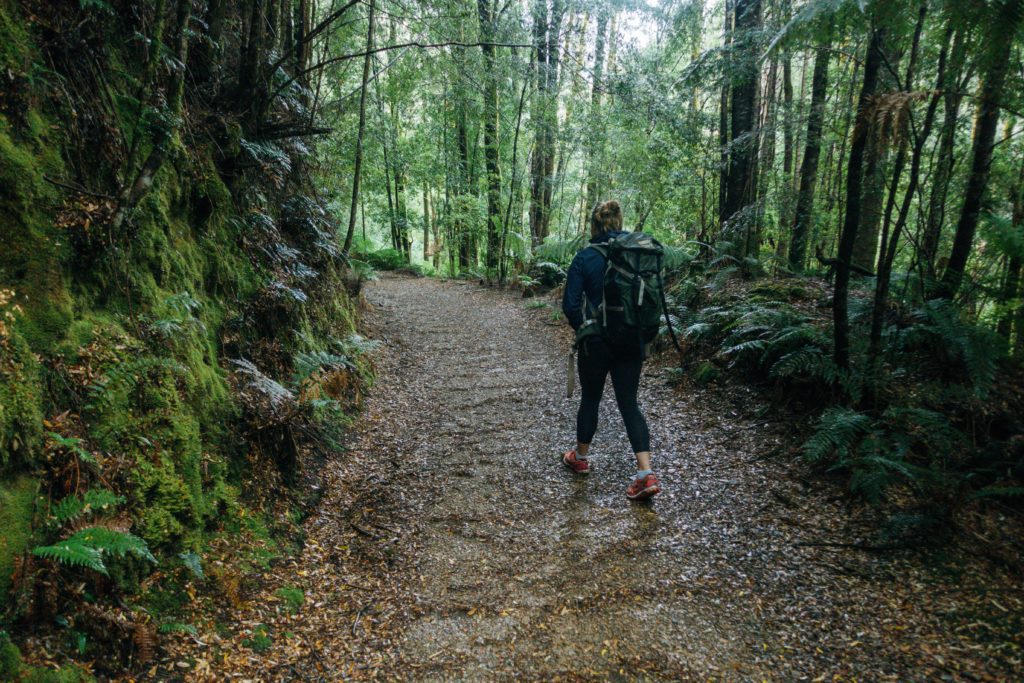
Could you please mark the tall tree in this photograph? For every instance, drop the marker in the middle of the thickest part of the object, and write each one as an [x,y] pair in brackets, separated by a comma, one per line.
[812,151]
[952,95]
[741,191]
[486,11]
[854,179]
[596,130]
[358,163]
[1004,20]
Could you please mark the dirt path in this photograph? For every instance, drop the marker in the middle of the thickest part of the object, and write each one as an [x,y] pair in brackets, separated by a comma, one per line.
[451,544]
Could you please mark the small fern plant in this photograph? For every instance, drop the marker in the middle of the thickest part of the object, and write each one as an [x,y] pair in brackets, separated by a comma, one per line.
[95,535]
[90,546]
[74,507]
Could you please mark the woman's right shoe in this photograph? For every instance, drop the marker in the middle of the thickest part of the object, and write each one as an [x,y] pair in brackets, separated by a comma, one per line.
[641,489]
[577,465]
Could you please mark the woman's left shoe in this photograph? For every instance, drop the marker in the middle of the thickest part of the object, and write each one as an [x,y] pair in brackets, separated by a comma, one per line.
[577,465]
[641,489]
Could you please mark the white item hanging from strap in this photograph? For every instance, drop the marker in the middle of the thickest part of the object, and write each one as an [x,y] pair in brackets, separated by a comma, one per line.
[570,367]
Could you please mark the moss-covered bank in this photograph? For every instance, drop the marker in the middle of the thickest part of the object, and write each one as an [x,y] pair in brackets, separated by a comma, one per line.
[117,348]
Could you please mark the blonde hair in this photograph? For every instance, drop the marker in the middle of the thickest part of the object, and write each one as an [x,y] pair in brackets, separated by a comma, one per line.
[606,217]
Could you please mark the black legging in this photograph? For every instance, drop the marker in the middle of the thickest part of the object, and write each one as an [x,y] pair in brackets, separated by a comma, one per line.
[595,361]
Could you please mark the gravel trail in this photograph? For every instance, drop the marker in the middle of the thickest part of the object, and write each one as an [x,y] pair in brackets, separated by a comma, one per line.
[452,545]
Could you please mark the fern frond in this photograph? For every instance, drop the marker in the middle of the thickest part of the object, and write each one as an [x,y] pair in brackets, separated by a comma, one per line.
[193,563]
[838,433]
[999,492]
[808,363]
[72,507]
[73,554]
[111,542]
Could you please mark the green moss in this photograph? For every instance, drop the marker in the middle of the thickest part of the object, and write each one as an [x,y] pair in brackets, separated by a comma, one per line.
[15,47]
[17,508]
[705,373]
[21,417]
[32,251]
[13,669]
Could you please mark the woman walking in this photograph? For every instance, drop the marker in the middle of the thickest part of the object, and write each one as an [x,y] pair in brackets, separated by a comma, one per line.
[599,357]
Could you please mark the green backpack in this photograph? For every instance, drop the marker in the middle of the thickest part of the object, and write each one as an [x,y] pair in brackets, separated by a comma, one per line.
[633,294]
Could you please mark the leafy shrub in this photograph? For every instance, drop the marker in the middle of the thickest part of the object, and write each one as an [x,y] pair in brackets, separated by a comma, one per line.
[968,352]
[385,259]
[906,445]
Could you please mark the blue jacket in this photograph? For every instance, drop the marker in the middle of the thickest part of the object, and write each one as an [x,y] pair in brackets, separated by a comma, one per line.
[586,276]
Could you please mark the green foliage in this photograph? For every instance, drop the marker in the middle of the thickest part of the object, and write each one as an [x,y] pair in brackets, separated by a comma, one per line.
[260,640]
[705,373]
[21,418]
[12,668]
[87,548]
[903,445]
[73,445]
[73,507]
[385,259]
[955,344]
[194,563]
[17,512]
[293,597]
[559,252]
[177,627]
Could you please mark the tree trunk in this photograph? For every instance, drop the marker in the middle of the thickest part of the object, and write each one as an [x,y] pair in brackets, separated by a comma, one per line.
[787,120]
[538,114]
[723,118]
[890,242]
[426,223]
[865,248]
[491,141]
[1011,285]
[740,190]
[132,194]
[944,157]
[210,50]
[854,178]
[1006,17]
[809,166]
[595,135]
[358,164]
[249,70]
[551,129]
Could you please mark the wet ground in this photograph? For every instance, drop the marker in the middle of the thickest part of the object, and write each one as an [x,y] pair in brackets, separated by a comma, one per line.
[452,545]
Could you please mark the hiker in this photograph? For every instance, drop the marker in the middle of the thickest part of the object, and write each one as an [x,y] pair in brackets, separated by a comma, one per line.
[602,353]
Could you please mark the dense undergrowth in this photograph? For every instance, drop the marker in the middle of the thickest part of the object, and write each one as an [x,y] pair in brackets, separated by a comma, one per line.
[165,373]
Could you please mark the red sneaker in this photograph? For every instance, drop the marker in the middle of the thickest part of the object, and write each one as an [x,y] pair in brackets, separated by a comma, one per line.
[642,489]
[577,465]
